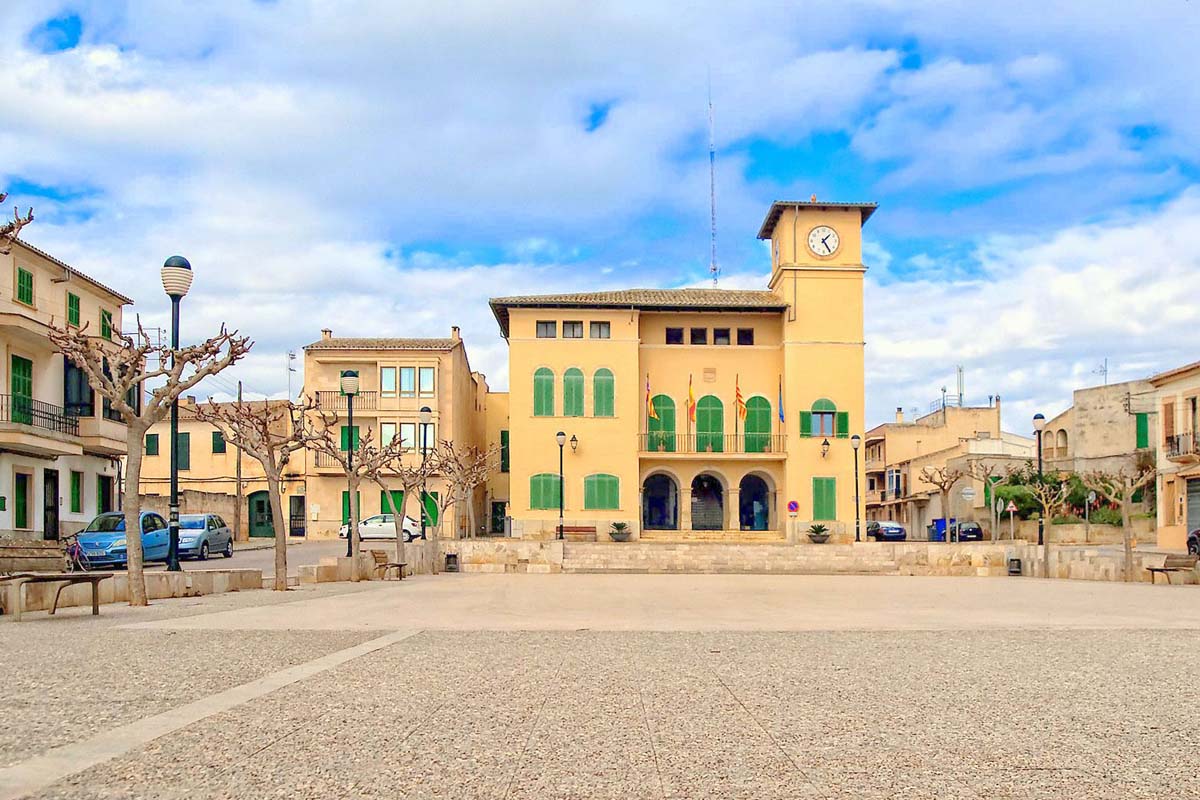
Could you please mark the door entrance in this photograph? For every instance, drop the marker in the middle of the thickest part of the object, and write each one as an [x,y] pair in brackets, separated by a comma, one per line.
[50,504]
[21,386]
[261,523]
[104,493]
[498,514]
[1193,504]
[296,515]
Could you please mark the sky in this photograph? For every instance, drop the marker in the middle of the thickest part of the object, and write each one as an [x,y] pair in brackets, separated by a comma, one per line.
[384,168]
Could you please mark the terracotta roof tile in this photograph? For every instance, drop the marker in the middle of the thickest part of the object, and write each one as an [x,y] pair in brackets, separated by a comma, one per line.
[353,343]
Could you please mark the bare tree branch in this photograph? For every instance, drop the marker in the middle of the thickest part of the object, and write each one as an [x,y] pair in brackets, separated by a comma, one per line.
[1118,488]
[9,231]
[943,478]
[464,468]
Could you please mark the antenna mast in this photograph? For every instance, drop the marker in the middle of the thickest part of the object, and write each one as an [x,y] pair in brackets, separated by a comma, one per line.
[712,186]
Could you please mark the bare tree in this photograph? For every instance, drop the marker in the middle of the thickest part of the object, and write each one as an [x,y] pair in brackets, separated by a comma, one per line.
[943,478]
[984,472]
[269,432]
[1050,491]
[464,468]
[411,478]
[1119,488]
[9,231]
[118,369]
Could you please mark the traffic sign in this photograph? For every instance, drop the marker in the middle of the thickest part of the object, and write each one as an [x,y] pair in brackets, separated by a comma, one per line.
[968,493]
[793,507]
[1091,497]
[999,505]
[1012,507]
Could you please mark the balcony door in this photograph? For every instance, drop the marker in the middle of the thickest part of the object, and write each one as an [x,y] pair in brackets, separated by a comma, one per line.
[21,388]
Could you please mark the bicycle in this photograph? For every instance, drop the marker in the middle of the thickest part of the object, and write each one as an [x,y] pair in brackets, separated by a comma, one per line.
[76,558]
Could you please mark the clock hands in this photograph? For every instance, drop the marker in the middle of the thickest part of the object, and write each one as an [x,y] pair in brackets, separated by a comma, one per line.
[826,243]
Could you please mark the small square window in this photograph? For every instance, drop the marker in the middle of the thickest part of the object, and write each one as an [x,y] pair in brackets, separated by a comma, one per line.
[106,328]
[674,335]
[151,444]
[25,286]
[572,330]
[387,432]
[699,335]
[745,336]
[720,335]
[218,443]
[600,330]
[547,329]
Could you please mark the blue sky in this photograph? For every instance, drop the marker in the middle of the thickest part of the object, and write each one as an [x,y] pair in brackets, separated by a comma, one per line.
[383,171]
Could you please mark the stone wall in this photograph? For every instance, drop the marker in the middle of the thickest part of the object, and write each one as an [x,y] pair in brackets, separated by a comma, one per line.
[195,502]
[506,555]
[1143,531]
[159,585]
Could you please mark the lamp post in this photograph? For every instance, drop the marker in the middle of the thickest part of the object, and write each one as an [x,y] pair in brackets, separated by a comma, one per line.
[349,387]
[176,280]
[1039,422]
[561,438]
[855,441]
[424,415]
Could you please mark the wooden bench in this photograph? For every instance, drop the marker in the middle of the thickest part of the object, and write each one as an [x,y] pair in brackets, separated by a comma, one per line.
[382,563]
[16,587]
[1174,564]
[579,533]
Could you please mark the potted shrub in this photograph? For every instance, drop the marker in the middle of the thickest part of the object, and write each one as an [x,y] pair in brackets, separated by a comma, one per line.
[818,533]
[619,532]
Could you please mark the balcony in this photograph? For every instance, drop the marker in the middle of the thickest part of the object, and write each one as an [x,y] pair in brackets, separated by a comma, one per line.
[755,445]
[37,427]
[336,401]
[103,435]
[1182,447]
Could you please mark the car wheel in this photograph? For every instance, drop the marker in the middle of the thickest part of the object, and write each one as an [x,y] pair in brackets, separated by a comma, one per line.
[203,551]
[229,548]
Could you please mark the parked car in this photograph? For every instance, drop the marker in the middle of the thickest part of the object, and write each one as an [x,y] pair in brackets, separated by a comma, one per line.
[886,531]
[383,526]
[202,534]
[103,540]
[1193,542]
[969,532]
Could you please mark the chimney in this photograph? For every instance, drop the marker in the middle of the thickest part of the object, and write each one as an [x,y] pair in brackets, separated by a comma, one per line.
[899,414]
[326,333]
[455,334]
[190,399]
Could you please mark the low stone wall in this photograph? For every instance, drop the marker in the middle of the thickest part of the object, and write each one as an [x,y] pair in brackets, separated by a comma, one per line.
[506,555]
[1078,533]
[30,555]
[159,585]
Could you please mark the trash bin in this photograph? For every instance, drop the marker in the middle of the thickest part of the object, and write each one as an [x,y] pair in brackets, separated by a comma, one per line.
[451,562]
[1014,566]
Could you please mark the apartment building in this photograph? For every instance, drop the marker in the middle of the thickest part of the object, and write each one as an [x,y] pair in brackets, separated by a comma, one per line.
[1176,398]
[1106,428]
[59,445]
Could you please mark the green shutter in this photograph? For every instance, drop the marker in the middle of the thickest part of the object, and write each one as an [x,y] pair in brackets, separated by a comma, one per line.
[429,508]
[397,497]
[106,324]
[573,393]
[806,423]
[603,385]
[710,425]
[601,492]
[21,383]
[25,286]
[824,499]
[1143,430]
[185,451]
[346,437]
[151,444]
[504,451]
[543,393]
[758,425]
[218,442]
[543,491]
[346,506]
[843,424]
[76,492]
[661,438]
[73,309]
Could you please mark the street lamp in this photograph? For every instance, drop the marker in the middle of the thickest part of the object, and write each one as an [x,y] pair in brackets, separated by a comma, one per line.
[574,443]
[824,448]
[349,387]
[176,280]
[561,438]
[855,441]
[424,415]
[1039,422]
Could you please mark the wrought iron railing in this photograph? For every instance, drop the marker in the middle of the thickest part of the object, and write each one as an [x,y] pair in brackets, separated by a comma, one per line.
[336,401]
[27,411]
[1181,444]
[739,443]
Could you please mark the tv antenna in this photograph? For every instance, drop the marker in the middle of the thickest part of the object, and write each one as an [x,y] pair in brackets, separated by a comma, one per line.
[1102,370]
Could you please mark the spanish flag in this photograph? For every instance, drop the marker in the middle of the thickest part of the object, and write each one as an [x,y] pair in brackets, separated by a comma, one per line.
[650,412]
[738,402]
[691,400]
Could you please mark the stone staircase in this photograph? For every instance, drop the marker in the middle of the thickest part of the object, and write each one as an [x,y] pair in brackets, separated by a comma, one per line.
[724,557]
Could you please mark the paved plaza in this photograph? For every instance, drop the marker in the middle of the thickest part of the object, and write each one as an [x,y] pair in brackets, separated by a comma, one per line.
[629,686]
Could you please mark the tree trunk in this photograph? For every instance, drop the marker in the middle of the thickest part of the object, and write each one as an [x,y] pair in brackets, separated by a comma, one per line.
[398,515]
[281,526]
[946,512]
[1127,528]
[471,515]
[353,532]
[133,526]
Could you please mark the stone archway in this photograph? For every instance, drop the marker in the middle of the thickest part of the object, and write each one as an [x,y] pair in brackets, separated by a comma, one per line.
[660,503]
[708,503]
[754,504]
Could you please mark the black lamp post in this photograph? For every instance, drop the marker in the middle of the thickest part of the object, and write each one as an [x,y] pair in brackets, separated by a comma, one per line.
[1039,422]
[349,387]
[855,441]
[176,280]
[561,438]
[424,415]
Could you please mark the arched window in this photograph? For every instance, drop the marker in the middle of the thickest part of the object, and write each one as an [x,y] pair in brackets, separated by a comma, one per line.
[758,425]
[824,421]
[543,393]
[573,392]
[601,492]
[1062,444]
[661,432]
[544,491]
[602,393]
[710,425]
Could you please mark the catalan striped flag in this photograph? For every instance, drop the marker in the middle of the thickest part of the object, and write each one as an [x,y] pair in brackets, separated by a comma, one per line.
[691,400]
[650,412]
[738,401]
[780,399]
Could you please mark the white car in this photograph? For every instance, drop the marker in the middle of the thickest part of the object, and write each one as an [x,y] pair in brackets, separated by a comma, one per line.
[383,526]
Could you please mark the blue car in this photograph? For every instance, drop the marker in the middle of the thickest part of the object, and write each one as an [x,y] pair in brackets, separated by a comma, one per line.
[103,540]
[886,531]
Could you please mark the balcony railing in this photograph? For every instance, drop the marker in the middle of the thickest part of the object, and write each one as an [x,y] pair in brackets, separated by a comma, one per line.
[27,411]
[740,443]
[336,401]
[1181,444]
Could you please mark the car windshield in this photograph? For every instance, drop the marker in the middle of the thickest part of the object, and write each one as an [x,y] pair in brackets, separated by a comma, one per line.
[192,523]
[106,524]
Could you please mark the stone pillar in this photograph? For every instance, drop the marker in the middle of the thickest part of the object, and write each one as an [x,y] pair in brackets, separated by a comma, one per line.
[732,510]
[685,509]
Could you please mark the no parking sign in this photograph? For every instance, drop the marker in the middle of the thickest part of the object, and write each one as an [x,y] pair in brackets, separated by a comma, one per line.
[793,508]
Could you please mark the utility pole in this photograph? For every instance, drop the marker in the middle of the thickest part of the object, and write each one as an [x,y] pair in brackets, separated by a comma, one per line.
[237,508]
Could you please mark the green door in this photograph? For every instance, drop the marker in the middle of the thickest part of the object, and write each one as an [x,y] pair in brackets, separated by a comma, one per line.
[824,499]
[710,425]
[22,390]
[261,523]
[499,512]
[758,425]
[662,430]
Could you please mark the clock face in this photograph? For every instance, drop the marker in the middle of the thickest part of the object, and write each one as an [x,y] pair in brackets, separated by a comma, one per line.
[823,240]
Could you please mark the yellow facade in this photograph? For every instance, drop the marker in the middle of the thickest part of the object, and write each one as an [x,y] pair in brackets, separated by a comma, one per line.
[1176,396]
[807,347]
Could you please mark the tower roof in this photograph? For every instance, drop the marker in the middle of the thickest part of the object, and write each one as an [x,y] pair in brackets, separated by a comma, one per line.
[778,207]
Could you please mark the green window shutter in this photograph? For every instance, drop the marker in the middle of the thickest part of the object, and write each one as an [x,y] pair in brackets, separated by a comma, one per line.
[806,423]
[25,286]
[543,393]
[1143,430]
[543,491]
[76,492]
[843,424]
[73,309]
[603,385]
[710,424]
[504,451]
[573,393]
[346,506]
[184,443]
[661,438]
[429,508]
[21,387]
[758,425]
[348,437]
[106,324]
[601,492]
[397,497]
[151,444]
[824,499]
[218,442]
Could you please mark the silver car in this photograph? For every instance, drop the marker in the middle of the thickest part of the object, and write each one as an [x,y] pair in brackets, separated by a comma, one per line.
[203,534]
